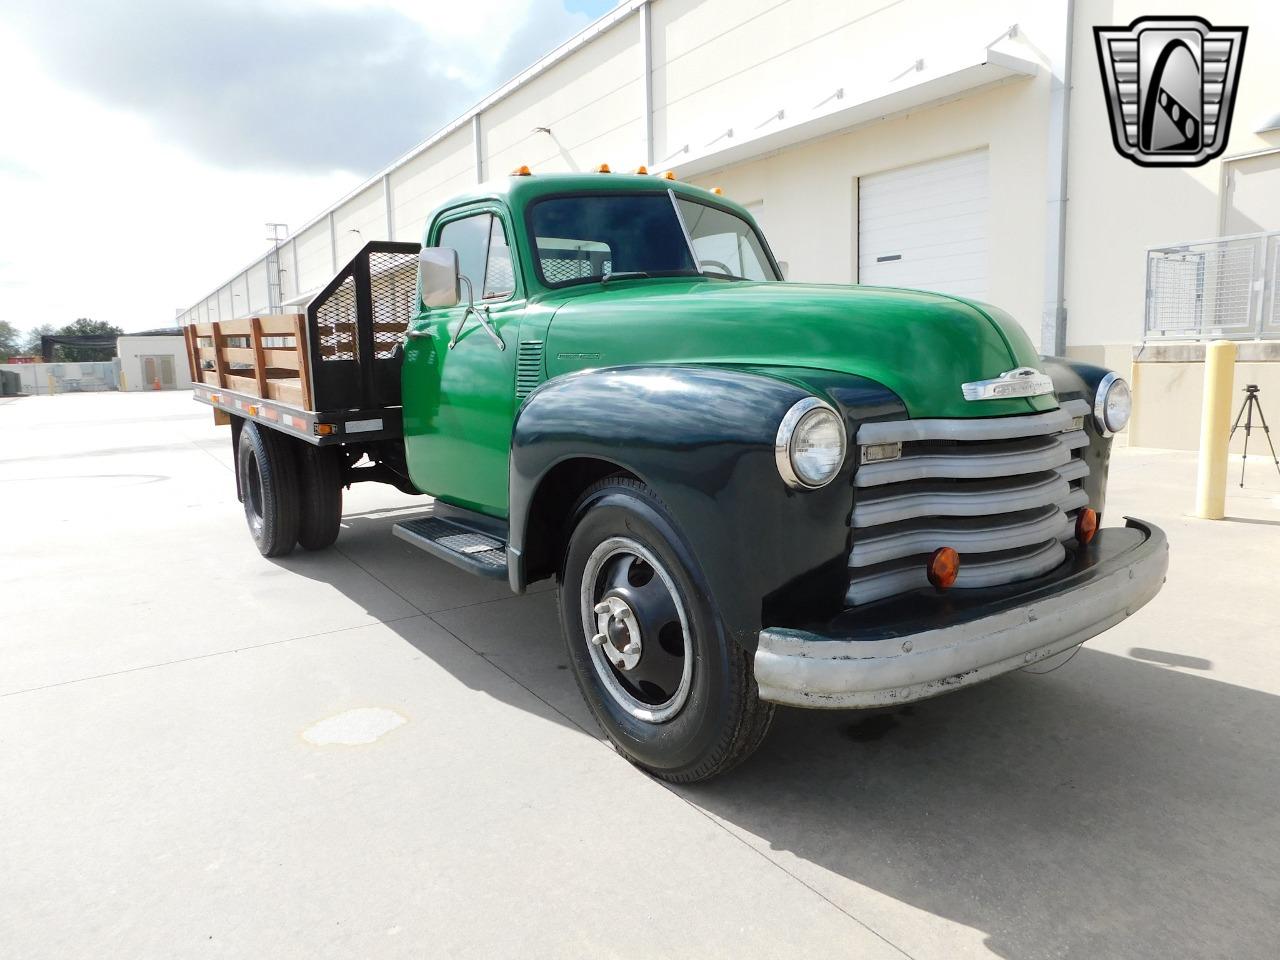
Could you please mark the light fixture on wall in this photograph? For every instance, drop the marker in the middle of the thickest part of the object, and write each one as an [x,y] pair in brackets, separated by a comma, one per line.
[1271,124]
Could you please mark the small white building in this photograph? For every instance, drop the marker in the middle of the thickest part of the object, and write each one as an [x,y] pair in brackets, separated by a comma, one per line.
[147,360]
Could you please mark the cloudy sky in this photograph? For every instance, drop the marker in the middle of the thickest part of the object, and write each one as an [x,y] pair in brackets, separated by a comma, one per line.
[144,143]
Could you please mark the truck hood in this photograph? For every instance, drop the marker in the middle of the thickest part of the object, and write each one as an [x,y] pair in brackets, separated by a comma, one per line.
[922,346]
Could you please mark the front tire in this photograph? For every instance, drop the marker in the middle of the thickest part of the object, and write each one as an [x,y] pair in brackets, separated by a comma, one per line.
[672,692]
[269,486]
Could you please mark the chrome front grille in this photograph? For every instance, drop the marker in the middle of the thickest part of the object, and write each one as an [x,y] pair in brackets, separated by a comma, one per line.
[1003,492]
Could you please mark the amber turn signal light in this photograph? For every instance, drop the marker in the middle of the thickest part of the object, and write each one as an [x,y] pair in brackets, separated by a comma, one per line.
[603,168]
[668,175]
[642,169]
[522,171]
[1086,525]
[944,565]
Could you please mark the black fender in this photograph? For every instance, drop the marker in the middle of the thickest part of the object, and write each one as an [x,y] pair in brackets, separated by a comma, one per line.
[1073,380]
[702,438]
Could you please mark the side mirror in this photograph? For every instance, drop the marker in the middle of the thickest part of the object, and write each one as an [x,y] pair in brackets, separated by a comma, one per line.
[438,268]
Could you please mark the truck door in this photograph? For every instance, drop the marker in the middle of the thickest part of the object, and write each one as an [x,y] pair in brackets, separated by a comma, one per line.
[459,400]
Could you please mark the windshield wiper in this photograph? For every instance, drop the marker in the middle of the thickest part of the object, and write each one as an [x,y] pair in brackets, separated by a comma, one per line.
[625,275]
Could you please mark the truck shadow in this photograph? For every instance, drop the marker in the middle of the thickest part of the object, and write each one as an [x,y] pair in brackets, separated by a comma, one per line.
[1111,808]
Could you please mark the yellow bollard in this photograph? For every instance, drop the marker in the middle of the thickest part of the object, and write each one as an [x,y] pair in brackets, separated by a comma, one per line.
[1215,430]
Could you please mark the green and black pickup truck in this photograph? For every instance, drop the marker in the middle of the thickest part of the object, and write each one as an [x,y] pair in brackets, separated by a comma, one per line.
[751,492]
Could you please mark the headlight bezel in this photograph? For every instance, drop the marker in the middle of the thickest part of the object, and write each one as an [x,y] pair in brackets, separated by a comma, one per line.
[1105,385]
[788,429]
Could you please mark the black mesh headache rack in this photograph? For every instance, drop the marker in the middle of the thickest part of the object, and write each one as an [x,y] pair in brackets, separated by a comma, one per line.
[332,376]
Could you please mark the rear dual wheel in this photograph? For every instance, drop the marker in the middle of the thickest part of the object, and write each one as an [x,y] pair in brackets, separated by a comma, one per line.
[292,491]
[670,689]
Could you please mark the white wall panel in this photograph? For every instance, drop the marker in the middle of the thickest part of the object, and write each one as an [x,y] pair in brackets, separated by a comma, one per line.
[259,295]
[592,101]
[429,179]
[366,212]
[315,256]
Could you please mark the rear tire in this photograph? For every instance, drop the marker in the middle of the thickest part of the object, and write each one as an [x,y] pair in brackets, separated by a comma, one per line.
[320,485]
[673,693]
[269,485]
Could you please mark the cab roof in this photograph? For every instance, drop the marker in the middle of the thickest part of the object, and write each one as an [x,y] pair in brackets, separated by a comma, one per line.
[519,191]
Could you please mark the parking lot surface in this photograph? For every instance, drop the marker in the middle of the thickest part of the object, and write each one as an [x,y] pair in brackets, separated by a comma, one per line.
[367,753]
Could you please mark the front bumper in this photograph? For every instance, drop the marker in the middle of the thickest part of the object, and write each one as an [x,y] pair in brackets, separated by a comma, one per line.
[924,644]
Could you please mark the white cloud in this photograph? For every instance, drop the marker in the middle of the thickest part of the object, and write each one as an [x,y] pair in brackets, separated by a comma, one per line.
[116,204]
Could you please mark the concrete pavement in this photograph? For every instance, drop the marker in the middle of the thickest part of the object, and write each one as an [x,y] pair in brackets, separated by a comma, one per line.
[365,752]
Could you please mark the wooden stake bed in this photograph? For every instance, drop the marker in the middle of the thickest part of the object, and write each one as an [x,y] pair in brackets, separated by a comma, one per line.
[263,357]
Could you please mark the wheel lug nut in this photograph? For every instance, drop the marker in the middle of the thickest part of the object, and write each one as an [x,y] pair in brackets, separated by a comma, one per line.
[598,639]
[604,607]
[631,648]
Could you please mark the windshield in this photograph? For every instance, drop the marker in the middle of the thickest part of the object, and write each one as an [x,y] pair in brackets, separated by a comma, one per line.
[595,237]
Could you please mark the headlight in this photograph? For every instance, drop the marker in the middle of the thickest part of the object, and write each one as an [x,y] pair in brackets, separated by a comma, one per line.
[810,445]
[1112,405]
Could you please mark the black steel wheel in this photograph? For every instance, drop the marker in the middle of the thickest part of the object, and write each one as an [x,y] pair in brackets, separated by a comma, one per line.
[269,487]
[320,501]
[670,689]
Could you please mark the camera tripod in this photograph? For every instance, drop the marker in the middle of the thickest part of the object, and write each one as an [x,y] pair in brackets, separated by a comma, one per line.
[1251,403]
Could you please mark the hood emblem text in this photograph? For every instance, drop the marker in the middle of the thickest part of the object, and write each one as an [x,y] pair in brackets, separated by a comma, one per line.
[1021,382]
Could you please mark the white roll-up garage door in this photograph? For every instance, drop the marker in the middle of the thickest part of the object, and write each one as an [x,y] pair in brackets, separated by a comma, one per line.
[925,226]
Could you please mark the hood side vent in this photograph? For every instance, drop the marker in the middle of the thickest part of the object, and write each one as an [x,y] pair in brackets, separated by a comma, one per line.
[529,359]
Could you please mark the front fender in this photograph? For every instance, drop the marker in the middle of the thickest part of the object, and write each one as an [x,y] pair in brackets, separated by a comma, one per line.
[1075,380]
[702,438]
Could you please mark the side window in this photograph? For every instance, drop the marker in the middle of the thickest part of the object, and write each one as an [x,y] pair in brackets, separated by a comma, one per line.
[470,237]
[499,275]
[483,255]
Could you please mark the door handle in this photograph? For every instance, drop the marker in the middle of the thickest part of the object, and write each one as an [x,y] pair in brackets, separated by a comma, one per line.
[418,334]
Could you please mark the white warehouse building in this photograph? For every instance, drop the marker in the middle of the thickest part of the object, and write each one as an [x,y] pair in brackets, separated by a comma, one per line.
[965,148]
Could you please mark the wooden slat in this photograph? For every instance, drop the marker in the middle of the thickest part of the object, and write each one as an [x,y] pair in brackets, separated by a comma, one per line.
[283,357]
[259,361]
[239,355]
[219,362]
[278,324]
[234,328]
[193,352]
[247,385]
[203,329]
[286,391]
[207,353]
[304,368]
[210,377]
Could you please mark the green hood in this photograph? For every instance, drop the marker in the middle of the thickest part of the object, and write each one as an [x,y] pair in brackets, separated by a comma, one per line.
[922,346]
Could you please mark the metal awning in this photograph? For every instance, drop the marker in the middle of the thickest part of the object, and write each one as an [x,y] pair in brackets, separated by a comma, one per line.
[928,82]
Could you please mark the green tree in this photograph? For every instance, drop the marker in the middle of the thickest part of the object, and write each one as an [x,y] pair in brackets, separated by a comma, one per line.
[10,340]
[84,327]
[32,342]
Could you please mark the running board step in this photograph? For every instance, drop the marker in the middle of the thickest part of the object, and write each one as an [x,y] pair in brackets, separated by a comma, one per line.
[473,551]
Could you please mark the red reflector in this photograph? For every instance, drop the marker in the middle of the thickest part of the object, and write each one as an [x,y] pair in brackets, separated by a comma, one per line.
[944,565]
[1086,525]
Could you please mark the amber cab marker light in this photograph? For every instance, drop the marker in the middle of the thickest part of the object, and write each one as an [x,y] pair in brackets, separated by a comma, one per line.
[642,170]
[522,171]
[943,566]
[668,175]
[603,168]
[1086,525]
[718,191]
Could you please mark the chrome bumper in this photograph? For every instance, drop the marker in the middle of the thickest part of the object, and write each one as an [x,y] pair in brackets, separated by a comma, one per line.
[879,665]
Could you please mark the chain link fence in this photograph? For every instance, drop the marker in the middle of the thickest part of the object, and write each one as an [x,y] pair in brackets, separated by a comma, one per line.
[1223,288]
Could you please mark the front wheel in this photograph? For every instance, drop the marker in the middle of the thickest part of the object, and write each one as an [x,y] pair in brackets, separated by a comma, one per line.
[671,690]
